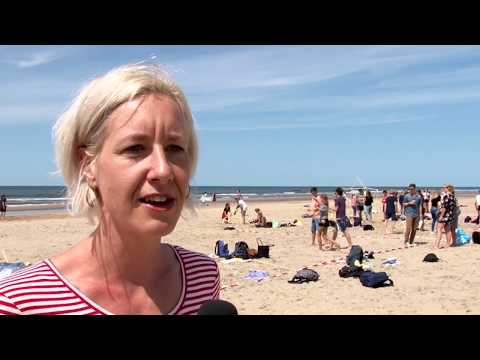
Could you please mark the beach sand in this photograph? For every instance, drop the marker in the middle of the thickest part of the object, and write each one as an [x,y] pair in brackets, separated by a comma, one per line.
[451,286]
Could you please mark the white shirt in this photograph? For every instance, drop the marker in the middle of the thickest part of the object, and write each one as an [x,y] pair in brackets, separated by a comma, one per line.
[477,199]
[243,204]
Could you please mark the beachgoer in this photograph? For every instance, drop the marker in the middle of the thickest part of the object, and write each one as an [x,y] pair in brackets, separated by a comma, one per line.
[341,217]
[446,218]
[360,204]
[391,210]
[324,224]
[3,205]
[426,199]
[434,209]
[401,197]
[368,206]
[315,212]
[421,221]
[136,122]
[456,214]
[238,195]
[261,220]
[384,199]
[412,203]
[354,204]
[242,205]
[226,213]
[477,205]
[214,197]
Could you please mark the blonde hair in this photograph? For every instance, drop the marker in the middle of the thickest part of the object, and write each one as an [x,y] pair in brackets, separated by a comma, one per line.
[450,188]
[82,126]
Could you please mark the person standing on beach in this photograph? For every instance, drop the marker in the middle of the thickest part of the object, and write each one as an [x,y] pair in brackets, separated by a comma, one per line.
[134,121]
[434,209]
[412,203]
[446,218]
[341,216]
[401,197]
[3,206]
[368,206]
[390,212]
[315,212]
[354,204]
[384,201]
[477,206]
[242,205]
[421,221]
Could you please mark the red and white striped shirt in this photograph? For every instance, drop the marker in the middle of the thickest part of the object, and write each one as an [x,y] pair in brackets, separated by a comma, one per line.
[41,290]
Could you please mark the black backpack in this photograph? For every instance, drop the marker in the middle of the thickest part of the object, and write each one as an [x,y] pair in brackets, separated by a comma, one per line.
[467,219]
[357,221]
[356,253]
[241,250]
[350,271]
[368,227]
[375,279]
[304,275]
[476,237]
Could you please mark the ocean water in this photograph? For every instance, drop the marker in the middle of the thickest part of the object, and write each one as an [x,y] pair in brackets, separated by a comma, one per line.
[24,196]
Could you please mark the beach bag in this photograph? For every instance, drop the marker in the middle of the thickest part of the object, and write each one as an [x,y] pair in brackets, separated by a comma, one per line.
[468,219]
[357,221]
[304,275]
[241,250]
[462,237]
[368,227]
[262,249]
[375,279]
[356,253]
[221,249]
[431,258]
[350,271]
[476,237]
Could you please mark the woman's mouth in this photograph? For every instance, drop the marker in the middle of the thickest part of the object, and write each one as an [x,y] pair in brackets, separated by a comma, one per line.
[158,202]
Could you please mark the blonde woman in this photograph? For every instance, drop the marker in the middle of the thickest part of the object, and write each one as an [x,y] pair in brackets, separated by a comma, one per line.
[127,150]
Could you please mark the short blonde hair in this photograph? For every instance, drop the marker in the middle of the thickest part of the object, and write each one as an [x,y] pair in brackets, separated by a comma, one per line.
[82,125]
[450,188]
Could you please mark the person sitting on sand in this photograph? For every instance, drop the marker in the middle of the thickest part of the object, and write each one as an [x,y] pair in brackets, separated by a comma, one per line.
[226,213]
[136,122]
[242,205]
[3,206]
[261,220]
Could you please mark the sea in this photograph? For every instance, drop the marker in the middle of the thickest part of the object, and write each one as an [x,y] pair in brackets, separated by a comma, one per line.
[53,198]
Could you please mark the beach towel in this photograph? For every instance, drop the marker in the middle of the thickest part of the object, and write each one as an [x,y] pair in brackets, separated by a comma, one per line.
[257,275]
[9,268]
[393,261]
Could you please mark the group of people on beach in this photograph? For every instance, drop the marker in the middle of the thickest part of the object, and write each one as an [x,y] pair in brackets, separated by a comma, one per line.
[411,207]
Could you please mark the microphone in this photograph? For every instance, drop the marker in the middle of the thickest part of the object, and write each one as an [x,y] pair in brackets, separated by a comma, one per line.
[217,307]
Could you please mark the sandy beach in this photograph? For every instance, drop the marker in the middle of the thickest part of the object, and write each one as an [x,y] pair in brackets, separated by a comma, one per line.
[451,286]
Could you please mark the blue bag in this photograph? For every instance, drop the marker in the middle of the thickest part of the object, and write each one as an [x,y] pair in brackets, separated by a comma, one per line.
[221,249]
[375,279]
[462,237]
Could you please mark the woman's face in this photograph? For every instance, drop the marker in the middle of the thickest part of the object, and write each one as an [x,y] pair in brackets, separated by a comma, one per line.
[142,171]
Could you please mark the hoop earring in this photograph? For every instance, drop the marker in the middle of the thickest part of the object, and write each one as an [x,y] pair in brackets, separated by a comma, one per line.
[91,203]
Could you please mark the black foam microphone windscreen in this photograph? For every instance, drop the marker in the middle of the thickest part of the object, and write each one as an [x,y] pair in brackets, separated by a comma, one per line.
[217,307]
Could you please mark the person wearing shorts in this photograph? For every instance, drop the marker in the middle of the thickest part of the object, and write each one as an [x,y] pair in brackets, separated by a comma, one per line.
[341,218]
[390,212]
[412,207]
[315,211]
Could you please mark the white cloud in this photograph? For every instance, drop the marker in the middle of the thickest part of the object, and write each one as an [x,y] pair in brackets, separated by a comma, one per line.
[37,59]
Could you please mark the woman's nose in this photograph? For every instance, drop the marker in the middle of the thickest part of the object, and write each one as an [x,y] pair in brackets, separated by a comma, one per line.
[160,167]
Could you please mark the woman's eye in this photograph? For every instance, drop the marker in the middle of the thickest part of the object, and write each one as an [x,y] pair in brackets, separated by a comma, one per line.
[134,149]
[174,148]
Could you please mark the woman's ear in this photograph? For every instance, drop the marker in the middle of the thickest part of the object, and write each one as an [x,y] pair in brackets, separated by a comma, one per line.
[88,167]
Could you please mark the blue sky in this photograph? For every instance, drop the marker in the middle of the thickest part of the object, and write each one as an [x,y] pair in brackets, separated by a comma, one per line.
[272,115]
